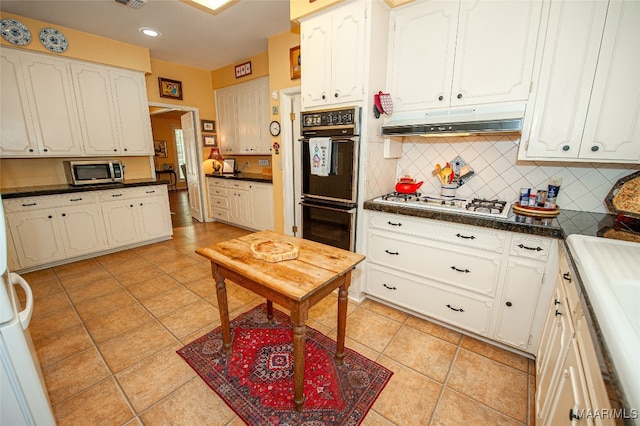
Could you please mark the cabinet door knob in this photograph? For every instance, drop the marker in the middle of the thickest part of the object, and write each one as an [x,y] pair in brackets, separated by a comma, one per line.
[459,96]
[509,304]
[440,97]
[64,214]
[126,149]
[115,150]
[324,97]
[595,148]
[566,148]
[50,217]
[335,95]
[45,150]
[30,149]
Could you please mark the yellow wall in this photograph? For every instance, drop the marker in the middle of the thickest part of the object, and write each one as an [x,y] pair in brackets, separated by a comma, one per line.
[280,78]
[226,76]
[25,172]
[86,46]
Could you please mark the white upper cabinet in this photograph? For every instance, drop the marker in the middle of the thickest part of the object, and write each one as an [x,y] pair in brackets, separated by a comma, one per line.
[59,107]
[587,103]
[243,118]
[332,45]
[113,110]
[449,54]
[39,115]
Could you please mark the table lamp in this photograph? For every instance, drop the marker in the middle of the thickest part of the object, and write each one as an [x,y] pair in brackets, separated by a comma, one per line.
[216,157]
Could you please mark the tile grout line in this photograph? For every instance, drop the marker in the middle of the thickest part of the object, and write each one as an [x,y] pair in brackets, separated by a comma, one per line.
[446,380]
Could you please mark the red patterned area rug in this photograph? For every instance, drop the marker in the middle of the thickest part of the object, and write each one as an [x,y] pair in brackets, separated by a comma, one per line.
[256,381]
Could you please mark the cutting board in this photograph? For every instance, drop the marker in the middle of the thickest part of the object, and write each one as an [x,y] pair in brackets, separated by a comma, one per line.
[535,211]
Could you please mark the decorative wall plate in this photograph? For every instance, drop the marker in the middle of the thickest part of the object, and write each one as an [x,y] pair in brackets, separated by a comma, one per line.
[53,40]
[15,32]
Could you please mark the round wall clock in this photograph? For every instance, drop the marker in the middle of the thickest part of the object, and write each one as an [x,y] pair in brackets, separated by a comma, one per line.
[15,32]
[53,40]
[274,128]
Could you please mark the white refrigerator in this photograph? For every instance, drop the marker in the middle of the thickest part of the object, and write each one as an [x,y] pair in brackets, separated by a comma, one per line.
[23,395]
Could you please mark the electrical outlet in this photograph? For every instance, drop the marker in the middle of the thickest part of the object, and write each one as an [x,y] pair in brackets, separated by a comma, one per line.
[263,162]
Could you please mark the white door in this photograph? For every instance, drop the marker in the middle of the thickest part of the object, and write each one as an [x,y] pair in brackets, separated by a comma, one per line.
[191,148]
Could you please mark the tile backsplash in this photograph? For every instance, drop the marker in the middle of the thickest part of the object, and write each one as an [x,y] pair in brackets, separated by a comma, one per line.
[498,173]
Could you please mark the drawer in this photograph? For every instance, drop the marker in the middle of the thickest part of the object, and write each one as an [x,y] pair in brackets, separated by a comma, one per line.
[15,205]
[219,202]
[238,184]
[220,214]
[463,235]
[458,309]
[215,182]
[530,246]
[129,193]
[472,270]
[217,191]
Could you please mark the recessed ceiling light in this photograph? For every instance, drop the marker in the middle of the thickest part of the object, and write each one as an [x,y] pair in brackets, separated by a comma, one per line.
[149,32]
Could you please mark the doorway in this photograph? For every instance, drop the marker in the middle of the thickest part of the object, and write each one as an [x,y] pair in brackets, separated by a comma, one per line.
[191,156]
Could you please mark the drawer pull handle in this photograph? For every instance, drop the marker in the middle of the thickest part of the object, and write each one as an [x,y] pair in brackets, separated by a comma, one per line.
[466,271]
[558,312]
[390,287]
[150,192]
[116,195]
[395,253]
[567,276]
[76,199]
[30,204]
[470,237]
[522,246]
[394,224]
[454,309]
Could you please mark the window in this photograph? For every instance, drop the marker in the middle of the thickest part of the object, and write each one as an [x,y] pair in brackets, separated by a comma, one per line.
[177,133]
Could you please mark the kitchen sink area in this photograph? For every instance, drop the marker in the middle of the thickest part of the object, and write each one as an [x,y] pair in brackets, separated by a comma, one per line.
[610,276]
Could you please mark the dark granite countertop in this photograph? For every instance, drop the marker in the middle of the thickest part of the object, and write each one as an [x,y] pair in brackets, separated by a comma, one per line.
[252,177]
[566,223]
[32,191]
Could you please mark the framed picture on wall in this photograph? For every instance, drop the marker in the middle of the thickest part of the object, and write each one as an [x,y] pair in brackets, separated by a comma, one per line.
[295,63]
[160,148]
[210,140]
[208,126]
[170,88]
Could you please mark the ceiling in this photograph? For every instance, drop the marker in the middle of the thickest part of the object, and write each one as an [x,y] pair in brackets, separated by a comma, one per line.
[189,36]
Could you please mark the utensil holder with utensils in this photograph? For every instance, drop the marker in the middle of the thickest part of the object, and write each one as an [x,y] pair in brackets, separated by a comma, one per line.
[448,190]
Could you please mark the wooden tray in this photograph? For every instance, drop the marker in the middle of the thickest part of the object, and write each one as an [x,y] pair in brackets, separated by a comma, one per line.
[535,211]
[624,197]
[274,250]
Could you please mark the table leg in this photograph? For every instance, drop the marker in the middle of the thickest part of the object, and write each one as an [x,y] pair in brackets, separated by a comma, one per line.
[298,318]
[343,297]
[221,292]
[270,311]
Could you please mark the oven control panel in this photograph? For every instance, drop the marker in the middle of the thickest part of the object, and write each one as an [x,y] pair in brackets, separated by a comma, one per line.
[340,120]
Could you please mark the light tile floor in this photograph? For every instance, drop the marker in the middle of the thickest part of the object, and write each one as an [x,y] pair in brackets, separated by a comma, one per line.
[106,331]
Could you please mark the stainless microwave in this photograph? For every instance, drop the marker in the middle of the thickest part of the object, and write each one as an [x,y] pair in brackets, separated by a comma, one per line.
[91,172]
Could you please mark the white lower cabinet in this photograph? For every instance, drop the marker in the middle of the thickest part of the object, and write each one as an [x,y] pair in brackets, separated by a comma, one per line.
[137,214]
[481,280]
[242,203]
[54,228]
[570,389]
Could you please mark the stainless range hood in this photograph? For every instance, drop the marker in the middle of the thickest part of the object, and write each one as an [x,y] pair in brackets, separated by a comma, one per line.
[460,122]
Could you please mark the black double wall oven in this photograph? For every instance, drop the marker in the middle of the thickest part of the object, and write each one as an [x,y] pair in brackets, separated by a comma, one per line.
[329,197]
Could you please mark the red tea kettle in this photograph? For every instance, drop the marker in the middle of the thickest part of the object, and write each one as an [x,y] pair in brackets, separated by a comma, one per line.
[406,185]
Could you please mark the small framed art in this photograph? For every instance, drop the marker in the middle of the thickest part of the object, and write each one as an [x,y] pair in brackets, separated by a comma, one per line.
[208,126]
[170,88]
[210,140]
[295,63]
[160,148]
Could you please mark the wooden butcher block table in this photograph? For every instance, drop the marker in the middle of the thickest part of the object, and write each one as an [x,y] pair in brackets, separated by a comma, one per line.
[296,284]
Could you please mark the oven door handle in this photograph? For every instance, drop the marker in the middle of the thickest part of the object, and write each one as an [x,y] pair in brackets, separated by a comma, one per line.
[325,207]
[337,139]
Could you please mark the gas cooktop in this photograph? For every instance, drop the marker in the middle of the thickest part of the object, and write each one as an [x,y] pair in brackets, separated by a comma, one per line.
[472,206]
